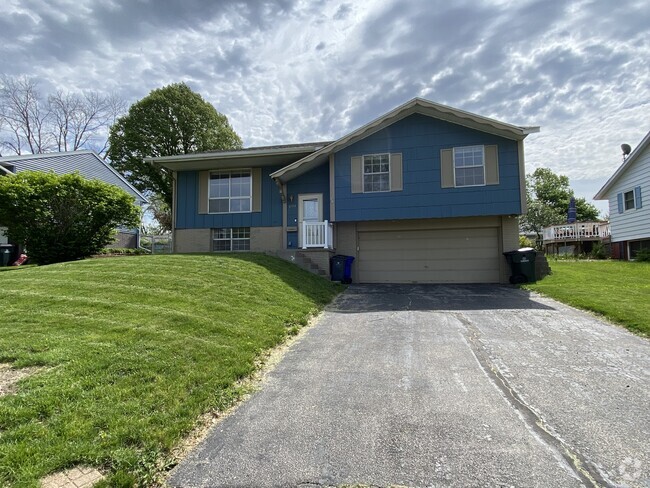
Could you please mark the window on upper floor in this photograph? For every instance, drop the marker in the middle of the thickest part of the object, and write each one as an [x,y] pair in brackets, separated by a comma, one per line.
[376,173]
[469,166]
[628,200]
[230,192]
[231,239]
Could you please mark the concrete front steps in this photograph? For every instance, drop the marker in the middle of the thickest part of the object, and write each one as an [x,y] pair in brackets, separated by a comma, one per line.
[315,261]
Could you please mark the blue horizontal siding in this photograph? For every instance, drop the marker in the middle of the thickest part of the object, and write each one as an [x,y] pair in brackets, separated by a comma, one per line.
[188,217]
[419,139]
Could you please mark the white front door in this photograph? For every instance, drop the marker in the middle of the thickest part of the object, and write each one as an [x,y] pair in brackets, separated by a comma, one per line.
[310,209]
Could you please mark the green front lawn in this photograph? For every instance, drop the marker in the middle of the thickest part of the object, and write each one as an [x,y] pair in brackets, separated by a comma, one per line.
[619,290]
[134,350]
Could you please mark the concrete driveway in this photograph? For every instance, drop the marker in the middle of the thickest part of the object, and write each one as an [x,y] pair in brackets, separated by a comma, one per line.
[442,386]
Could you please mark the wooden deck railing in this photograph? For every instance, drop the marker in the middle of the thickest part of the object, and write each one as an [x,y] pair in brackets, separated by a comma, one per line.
[577,232]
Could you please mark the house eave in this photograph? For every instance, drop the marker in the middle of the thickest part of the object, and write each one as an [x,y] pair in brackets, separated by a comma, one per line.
[240,158]
[602,193]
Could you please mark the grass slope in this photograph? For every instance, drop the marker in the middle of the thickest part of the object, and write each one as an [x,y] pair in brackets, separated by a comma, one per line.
[619,290]
[136,348]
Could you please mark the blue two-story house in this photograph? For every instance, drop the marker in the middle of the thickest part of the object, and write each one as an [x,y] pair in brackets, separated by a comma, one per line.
[424,194]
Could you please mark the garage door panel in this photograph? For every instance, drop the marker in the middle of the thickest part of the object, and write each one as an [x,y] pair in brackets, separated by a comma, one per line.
[430,264]
[474,253]
[432,243]
[450,276]
[429,256]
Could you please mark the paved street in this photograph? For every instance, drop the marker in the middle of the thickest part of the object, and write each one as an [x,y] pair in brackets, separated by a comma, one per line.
[449,385]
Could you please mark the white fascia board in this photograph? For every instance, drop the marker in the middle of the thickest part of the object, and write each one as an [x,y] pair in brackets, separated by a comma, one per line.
[240,153]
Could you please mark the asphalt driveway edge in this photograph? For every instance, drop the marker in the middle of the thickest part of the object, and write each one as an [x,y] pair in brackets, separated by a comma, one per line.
[250,385]
[575,462]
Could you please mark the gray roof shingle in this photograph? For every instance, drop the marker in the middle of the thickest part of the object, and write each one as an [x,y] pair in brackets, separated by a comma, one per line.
[87,163]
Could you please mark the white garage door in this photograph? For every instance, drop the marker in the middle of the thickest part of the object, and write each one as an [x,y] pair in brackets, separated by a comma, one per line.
[429,256]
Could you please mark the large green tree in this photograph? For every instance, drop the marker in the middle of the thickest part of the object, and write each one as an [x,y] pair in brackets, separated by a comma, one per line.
[63,218]
[169,121]
[548,196]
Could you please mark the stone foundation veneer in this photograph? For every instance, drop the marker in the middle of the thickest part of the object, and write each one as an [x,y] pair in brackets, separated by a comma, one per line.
[266,239]
[192,240]
[263,239]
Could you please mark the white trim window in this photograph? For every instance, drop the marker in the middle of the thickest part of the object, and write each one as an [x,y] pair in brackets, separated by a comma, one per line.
[231,239]
[628,200]
[376,173]
[469,166]
[230,192]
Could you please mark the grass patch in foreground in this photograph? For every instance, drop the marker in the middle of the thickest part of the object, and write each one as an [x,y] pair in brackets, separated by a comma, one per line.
[135,350]
[618,290]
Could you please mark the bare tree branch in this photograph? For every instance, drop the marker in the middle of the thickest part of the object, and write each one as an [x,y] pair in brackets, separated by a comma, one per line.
[65,121]
[22,111]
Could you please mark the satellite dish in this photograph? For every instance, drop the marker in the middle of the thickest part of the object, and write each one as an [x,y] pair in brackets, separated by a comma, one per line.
[626,148]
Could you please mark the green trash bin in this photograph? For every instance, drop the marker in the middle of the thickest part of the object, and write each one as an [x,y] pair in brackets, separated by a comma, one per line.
[522,265]
[6,254]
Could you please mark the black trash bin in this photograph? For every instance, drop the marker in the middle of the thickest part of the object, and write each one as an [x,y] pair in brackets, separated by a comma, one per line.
[342,268]
[7,254]
[522,265]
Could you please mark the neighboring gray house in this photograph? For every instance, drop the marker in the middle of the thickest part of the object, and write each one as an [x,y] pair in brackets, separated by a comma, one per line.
[89,165]
[626,189]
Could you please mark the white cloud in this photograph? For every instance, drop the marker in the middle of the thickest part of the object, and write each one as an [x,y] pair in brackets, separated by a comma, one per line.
[303,70]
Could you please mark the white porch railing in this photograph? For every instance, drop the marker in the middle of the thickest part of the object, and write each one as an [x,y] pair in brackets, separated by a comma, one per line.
[317,234]
[577,231]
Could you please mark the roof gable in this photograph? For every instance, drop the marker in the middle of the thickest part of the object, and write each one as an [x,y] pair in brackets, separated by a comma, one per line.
[629,161]
[414,106]
[86,162]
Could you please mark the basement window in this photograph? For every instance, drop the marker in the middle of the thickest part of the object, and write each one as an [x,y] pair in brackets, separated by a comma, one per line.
[231,239]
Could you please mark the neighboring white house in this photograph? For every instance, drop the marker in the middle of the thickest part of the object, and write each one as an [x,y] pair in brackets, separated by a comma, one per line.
[626,189]
[89,165]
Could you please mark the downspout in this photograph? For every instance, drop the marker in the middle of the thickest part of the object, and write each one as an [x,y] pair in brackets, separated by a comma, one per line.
[522,176]
[283,197]
[174,197]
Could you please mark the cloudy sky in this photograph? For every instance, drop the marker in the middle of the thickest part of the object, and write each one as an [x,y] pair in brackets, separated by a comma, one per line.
[302,70]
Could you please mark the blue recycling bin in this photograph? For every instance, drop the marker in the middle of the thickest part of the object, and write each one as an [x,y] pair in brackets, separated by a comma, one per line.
[342,268]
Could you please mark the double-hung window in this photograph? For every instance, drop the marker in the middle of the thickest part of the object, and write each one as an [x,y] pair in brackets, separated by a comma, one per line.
[469,166]
[231,239]
[628,200]
[230,192]
[376,173]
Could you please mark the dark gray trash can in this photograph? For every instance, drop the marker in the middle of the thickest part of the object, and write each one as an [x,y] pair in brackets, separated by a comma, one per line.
[341,268]
[7,252]
[522,265]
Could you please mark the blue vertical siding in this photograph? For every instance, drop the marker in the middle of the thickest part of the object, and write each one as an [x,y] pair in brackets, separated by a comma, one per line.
[420,138]
[188,217]
[316,181]
[292,240]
